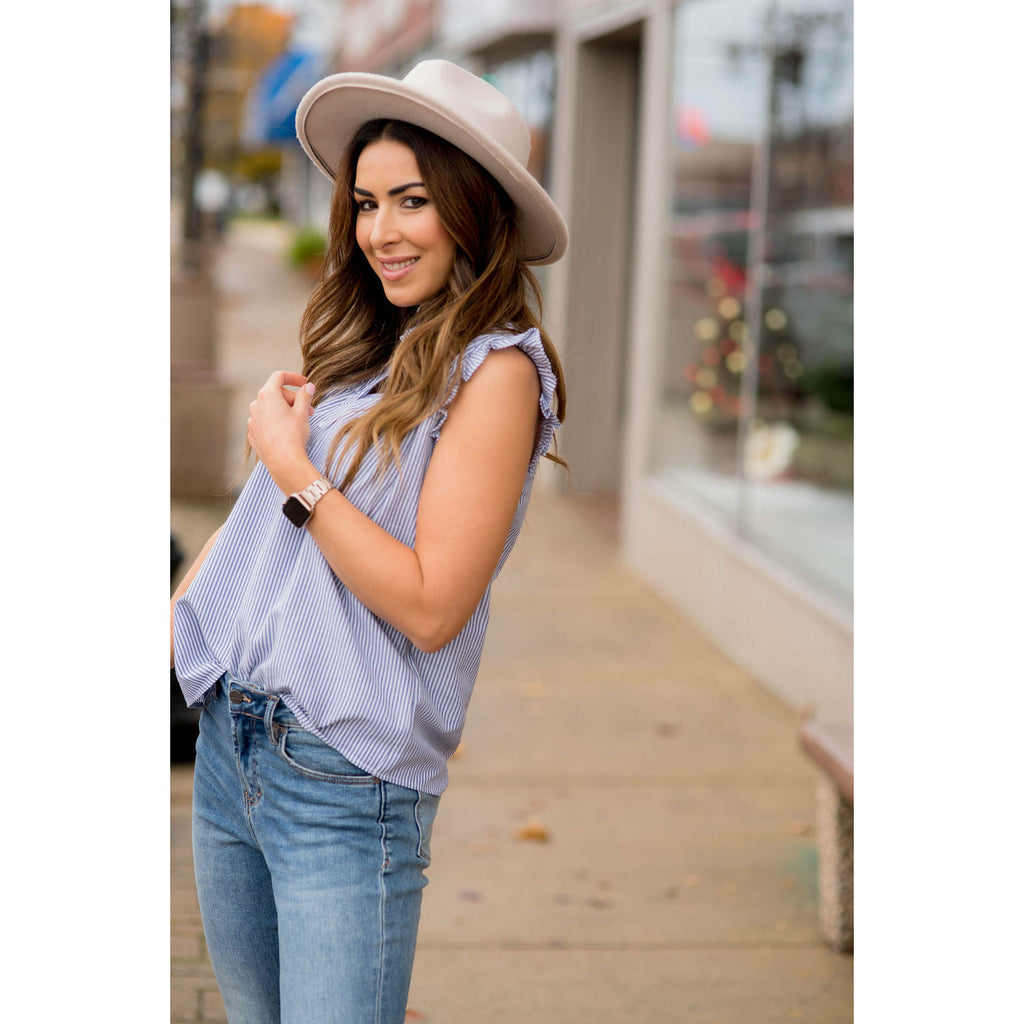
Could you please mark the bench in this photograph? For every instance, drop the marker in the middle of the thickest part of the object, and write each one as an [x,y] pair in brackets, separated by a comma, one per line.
[830,747]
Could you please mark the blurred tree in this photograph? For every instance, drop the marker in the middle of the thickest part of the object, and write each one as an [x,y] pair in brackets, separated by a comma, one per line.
[246,39]
[262,167]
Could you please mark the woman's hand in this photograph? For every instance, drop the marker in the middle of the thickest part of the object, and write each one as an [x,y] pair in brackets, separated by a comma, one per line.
[278,429]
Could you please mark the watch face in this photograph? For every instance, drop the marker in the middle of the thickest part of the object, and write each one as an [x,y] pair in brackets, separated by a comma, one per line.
[296,511]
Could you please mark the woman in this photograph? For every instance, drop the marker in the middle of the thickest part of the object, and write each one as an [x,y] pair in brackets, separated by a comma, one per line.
[332,629]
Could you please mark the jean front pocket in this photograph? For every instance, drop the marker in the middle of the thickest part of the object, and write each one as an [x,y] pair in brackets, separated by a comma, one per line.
[310,756]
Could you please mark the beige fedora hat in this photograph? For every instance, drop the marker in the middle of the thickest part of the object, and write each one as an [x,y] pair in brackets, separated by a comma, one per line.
[452,103]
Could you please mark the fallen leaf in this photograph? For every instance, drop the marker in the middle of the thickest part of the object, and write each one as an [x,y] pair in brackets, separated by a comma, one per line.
[460,751]
[414,1015]
[534,831]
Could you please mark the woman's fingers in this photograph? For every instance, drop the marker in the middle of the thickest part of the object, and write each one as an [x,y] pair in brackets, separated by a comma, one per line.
[303,398]
[278,423]
[280,378]
[281,382]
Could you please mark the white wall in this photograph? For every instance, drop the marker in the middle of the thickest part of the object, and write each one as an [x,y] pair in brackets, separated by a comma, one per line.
[467,23]
[791,639]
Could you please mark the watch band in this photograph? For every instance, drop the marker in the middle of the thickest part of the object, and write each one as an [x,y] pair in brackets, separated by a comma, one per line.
[299,506]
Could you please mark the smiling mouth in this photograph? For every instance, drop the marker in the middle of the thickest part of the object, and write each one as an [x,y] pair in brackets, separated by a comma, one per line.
[392,270]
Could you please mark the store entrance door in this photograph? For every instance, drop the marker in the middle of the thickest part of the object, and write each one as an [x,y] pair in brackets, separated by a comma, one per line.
[601,257]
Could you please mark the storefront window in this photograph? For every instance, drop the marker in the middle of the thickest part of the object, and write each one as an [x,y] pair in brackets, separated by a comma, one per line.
[755,416]
[529,82]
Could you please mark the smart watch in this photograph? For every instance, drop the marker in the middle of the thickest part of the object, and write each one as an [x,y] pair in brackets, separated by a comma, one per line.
[299,506]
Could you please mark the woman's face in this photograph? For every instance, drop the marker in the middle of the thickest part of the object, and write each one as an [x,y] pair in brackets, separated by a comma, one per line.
[398,227]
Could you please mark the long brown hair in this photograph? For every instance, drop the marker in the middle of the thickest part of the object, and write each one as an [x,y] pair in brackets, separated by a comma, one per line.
[350,331]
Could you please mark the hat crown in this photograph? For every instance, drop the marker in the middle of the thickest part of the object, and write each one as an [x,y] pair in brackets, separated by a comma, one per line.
[477,102]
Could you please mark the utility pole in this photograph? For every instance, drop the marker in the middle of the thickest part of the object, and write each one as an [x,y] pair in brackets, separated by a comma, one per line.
[194,131]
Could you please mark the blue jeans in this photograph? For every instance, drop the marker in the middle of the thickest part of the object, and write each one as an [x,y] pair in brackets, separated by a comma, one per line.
[309,871]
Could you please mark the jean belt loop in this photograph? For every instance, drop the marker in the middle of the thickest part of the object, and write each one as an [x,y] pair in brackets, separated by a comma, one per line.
[268,716]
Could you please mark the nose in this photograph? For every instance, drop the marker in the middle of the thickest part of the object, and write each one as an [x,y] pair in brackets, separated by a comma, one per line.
[385,228]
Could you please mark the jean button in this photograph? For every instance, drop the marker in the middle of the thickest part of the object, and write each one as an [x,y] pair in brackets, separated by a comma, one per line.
[236,697]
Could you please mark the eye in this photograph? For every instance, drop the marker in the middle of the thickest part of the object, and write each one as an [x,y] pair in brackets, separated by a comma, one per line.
[365,205]
[414,202]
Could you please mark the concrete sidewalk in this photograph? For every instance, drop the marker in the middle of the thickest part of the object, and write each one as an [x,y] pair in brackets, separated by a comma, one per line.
[628,834]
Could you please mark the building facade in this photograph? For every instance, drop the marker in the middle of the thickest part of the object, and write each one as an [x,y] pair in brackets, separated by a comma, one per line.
[702,153]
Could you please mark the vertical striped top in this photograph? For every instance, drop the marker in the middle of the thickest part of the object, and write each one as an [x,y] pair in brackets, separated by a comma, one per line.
[266,607]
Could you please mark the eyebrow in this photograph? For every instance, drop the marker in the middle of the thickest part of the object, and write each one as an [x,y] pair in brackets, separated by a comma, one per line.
[391,191]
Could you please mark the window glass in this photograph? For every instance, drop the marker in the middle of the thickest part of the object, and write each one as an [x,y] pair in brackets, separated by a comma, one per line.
[755,415]
[529,82]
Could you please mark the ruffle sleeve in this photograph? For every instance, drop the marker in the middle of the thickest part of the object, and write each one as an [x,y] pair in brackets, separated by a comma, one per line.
[530,342]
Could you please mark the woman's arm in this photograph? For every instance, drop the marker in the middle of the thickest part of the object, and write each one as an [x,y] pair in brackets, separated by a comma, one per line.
[466,505]
[187,579]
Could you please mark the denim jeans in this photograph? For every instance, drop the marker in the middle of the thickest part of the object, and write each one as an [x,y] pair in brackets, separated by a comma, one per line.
[309,871]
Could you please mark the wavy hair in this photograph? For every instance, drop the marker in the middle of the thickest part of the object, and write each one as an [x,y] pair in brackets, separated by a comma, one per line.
[350,331]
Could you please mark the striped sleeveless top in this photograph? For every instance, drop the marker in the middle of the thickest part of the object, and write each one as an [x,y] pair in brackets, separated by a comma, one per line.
[266,607]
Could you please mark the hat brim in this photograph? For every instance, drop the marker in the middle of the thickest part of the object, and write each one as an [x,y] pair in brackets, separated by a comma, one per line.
[336,108]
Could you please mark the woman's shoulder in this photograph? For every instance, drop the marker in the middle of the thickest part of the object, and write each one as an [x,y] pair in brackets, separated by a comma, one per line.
[503,369]
[514,359]
[527,342]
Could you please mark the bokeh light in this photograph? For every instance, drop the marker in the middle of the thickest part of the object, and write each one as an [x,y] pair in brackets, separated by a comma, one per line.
[706,328]
[736,362]
[729,308]
[716,287]
[700,402]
